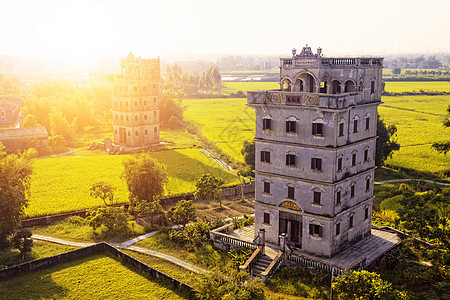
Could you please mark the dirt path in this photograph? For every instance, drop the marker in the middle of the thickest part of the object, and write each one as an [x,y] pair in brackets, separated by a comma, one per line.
[409,179]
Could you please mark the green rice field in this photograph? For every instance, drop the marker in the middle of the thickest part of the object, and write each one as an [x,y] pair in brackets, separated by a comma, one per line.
[409,86]
[62,184]
[95,277]
[228,122]
[234,87]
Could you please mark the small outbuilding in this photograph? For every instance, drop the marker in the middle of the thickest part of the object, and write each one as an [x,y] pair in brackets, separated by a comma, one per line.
[18,139]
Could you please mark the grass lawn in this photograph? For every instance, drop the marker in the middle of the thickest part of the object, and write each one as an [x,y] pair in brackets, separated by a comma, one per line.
[62,184]
[227,122]
[40,249]
[95,277]
[409,86]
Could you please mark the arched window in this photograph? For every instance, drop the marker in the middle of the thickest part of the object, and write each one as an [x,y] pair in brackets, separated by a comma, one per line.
[336,87]
[349,86]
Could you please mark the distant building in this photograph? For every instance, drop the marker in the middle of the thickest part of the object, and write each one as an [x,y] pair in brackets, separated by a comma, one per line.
[315,151]
[10,111]
[135,95]
[18,139]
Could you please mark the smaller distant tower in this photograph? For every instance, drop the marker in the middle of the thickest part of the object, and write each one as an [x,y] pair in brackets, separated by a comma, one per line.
[136,96]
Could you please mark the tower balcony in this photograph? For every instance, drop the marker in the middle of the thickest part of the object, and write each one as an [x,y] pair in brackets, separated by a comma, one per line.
[303,99]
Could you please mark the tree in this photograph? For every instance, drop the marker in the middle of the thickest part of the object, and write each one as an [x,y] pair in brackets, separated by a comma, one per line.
[396,71]
[15,178]
[182,213]
[428,214]
[364,285]
[145,177]
[114,218]
[146,209]
[444,147]
[386,142]
[104,191]
[208,187]
[249,153]
[30,121]
[22,241]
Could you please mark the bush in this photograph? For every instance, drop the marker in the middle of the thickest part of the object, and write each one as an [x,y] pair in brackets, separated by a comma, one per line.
[114,218]
[246,220]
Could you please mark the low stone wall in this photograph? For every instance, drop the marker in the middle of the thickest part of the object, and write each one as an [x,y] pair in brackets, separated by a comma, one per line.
[226,193]
[90,250]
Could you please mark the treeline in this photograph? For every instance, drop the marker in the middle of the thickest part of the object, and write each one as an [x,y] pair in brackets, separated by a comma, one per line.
[415,93]
[65,109]
[195,85]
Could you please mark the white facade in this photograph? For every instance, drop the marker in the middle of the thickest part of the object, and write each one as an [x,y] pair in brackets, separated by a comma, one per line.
[315,151]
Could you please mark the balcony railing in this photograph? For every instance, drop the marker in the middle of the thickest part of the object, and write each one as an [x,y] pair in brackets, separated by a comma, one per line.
[279,97]
[331,61]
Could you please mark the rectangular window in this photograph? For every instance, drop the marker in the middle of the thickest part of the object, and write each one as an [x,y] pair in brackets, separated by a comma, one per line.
[338,197]
[135,118]
[341,129]
[338,229]
[146,132]
[372,87]
[353,159]
[339,164]
[267,124]
[291,126]
[154,114]
[315,230]
[265,156]
[317,197]
[355,126]
[317,129]
[127,118]
[135,103]
[291,192]
[350,222]
[154,100]
[136,133]
[366,213]
[352,191]
[367,184]
[155,129]
[145,117]
[290,160]
[145,102]
[366,155]
[367,123]
[121,117]
[266,218]
[267,187]
[316,164]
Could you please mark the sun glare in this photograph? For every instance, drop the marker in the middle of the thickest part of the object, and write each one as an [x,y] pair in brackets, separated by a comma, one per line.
[80,30]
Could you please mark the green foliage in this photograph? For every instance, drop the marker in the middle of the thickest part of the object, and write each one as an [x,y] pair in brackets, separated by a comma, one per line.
[182,213]
[22,241]
[208,82]
[104,191]
[364,285]
[192,236]
[248,151]
[299,282]
[246,220]
[145,178]
[170,106]
[386,142]
[15,179]
[231,285]
[30,121]
[114,218]
[60,126]
[396,71]
[148,209]
[208,187]
[443,147]
[240,255]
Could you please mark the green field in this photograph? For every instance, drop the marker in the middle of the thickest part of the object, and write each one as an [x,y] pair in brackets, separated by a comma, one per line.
[95,277]
[234,87]
[409,86]
[62,184]
[228,122]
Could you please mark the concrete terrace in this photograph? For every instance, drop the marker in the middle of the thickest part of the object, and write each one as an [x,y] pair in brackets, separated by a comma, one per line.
[371,247]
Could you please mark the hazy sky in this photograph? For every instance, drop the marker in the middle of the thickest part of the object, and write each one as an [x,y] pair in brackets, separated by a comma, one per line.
[83,29]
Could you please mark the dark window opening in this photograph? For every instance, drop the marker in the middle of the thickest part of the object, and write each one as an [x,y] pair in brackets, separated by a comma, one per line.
[267,187]
[146,132]
[265,156]
[136,133]
[338,197]
[317,129]
[367,123]
[350,222]
[355,126]
[372,87]
[366,154]
[291,126]
[341,129]
[339,164]
[352,191]
[316,164]
[353,159]
[290,160]
[267,124]
[367,184]
[317,196]
[315,230]
[366,213]
[266,218]
[338,229]
[323,87]
[291,192]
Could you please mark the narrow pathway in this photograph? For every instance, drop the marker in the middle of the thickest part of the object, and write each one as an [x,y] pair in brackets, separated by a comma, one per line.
[218,161]
[409,179]
[60,241]
[72,150]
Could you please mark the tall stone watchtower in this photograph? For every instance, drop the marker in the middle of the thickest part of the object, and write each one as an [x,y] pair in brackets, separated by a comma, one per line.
[315,151]
[135,96]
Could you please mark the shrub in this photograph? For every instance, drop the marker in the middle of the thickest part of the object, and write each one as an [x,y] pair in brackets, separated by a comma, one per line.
[114,218]
[246,220]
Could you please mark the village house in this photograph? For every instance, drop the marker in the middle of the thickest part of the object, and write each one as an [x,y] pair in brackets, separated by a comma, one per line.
[10,111]
[19,139]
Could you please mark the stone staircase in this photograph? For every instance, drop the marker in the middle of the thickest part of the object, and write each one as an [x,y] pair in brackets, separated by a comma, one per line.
[260,265]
